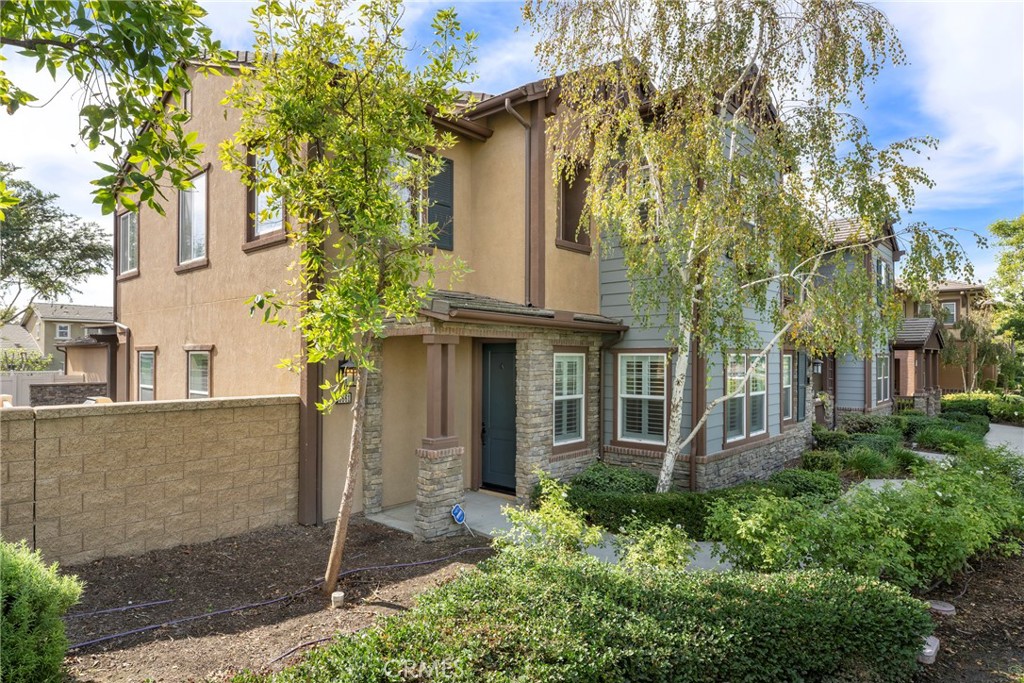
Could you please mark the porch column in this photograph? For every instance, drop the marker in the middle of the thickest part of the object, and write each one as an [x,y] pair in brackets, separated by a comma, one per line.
[440,483]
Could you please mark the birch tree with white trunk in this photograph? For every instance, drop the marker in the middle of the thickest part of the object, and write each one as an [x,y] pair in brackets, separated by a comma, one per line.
[718,145]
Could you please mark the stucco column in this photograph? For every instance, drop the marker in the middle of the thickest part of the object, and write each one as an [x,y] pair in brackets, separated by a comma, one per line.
[440,479]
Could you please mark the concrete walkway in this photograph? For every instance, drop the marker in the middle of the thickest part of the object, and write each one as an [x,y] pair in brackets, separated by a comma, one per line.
[1006,435]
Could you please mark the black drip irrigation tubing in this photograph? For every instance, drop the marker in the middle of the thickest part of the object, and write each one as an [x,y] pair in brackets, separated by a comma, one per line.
[265,603]
[141,605]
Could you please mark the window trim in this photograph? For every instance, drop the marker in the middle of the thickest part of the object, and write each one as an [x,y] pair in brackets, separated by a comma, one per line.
[252,241]
[956,312]
[131,272]
[58,335]
[199,349]
[791,355]
[617,438]
[581,397]
[883,379]
[562,241]
[748,435]
[204,260]
[139,350]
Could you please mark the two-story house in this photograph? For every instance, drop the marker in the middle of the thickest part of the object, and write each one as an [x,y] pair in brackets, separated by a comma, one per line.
[494,380]
[53,325]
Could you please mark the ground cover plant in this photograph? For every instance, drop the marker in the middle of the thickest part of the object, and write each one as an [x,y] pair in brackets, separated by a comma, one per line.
[924,531]
[612,497]
[34,597]
[542,611]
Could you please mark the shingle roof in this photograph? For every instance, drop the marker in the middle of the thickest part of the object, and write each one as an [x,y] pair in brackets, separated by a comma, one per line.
[957,285]
[446,302]
[17,337]
[51,311]
[915,333]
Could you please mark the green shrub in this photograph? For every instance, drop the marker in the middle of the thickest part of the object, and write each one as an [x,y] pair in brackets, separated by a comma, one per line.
[976,403]
[946,439]
[611,479]
[862,423]
[575,619]
[911,412]
[552,524]
[822,461]
[829,440]
[884,444]
[916,423]
[34,597]
[868,462]
[795,483]
[1009,409]
[907,460]
[642,545]
[926,530]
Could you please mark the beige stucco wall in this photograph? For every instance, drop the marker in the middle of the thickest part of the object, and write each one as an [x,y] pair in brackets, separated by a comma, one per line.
[207,306]
[45,334]
[91,361]
[337,435]
[404,368]
[121,479]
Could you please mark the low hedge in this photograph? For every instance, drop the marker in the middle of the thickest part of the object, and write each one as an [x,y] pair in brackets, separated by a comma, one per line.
[1008,408]
[34,597]
[829,440]
[570,617]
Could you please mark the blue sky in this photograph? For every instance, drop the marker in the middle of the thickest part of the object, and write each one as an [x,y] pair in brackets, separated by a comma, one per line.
[964,85]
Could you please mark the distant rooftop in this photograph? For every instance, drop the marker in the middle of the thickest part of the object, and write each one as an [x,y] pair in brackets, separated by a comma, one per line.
[53,311]
[16,337]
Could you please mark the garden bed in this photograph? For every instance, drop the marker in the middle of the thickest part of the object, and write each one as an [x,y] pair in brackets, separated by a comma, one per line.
[257,566]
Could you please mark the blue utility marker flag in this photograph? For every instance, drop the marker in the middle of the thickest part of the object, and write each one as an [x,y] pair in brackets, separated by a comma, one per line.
[458,514]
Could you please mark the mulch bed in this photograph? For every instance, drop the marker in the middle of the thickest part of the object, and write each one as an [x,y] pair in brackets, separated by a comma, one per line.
[258,566]
[984,641]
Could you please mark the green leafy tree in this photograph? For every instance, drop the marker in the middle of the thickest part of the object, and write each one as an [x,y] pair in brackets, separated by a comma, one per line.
[45,252]
[719,149]
[129,60]
[340,126]
[975,346]
[17,360]
[1008,282]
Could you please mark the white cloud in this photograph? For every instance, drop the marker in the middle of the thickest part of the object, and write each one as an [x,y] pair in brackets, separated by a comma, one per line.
[967,77]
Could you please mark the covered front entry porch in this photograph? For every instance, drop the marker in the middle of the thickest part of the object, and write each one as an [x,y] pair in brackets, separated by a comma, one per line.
[917,347]
[465,401]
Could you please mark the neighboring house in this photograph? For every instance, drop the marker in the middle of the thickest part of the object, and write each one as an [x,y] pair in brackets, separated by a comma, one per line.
[52,325]
[950,302]
[849,383]
[16,338]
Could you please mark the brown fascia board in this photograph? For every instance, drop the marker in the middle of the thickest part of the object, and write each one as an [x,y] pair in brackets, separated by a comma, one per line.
[562,320]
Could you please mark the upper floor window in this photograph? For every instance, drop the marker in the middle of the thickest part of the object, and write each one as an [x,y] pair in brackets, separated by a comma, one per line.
[642,393]
[265,214]
[128,242]
[198,374]
[573,233]
[63,331]
[948,312]
[441,209]
[192,227]
[746,413]
[147,375]
[568,394]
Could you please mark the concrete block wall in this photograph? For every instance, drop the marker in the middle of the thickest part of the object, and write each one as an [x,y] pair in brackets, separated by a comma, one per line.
[124,478]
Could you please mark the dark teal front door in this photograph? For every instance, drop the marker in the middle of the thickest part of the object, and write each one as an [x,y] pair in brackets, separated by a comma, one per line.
[498,431]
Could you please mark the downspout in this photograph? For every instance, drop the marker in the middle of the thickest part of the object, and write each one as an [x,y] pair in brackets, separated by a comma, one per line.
[127,361]
[526,175]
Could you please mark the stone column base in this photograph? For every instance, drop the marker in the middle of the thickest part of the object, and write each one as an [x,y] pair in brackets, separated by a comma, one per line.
[439,487]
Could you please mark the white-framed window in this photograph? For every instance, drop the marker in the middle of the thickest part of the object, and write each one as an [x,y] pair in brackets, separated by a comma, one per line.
[948,312]
[267,216]
[642,392]
[192,221]
[787,386]
[147,375]
[128,242]
[63,331]
[198,374]
[882,378]
[569,387]
[746,414]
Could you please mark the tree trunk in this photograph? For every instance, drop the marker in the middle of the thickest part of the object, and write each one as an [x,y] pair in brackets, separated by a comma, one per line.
[673,445]
[355,457]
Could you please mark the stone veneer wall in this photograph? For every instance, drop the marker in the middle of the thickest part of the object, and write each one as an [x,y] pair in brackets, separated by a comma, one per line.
[64,393]
[727,468]
[373,417]
[85,482]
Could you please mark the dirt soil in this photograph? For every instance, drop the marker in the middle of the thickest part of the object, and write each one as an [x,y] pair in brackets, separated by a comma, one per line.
[984,641]
[255,567]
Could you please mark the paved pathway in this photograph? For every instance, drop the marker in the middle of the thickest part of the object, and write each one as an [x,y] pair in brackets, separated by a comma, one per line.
[1006,435]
